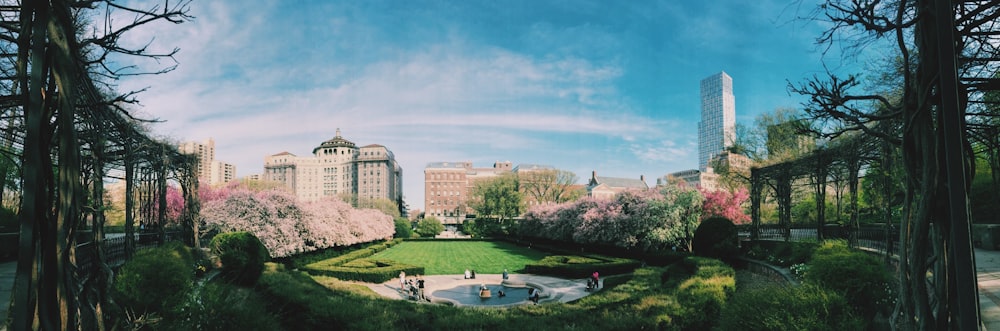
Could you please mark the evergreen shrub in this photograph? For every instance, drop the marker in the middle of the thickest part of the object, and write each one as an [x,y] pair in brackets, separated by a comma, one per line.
[242,256]
[716,237]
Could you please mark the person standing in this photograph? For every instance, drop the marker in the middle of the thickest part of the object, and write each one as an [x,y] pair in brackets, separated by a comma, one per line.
[402,281]
[420,288]
[505,275]
[596,278]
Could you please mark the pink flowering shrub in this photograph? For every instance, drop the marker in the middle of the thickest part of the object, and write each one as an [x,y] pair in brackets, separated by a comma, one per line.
[287,227]
[726,204]
[644,219]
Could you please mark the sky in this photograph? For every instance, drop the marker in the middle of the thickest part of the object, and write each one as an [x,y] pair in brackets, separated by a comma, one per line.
[610,87]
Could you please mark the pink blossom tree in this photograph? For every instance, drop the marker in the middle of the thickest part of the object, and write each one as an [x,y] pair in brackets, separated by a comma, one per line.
[726,204]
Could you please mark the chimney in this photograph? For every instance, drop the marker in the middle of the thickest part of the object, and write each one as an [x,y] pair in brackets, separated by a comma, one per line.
[642,178]
[593,174]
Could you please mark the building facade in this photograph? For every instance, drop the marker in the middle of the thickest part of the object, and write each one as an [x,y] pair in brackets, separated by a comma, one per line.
[607,187]
[338,168]
[209,169]
[447,186]
[717,128]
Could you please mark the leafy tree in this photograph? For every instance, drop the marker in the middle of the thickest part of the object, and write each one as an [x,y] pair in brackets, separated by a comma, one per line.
[429,227]
[404,229]
[498,199]
[384,205]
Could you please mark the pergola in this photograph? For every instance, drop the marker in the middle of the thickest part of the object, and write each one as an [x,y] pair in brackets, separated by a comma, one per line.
[850,153]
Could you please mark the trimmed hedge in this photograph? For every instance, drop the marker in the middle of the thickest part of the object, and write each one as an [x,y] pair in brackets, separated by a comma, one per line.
[355,266]
[578,266]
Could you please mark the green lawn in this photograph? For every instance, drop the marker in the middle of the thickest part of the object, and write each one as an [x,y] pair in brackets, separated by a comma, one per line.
[453,257]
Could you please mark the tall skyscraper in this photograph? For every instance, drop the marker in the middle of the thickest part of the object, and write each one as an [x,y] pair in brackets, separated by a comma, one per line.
[210,171]
[717,129]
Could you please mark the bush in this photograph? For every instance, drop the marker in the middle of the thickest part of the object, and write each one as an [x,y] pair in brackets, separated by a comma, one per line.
[404,229]
[580,266]
[861,278]
[716,237]
[154,280]
[221,306]
[704,293]
[805,308]
[242,256]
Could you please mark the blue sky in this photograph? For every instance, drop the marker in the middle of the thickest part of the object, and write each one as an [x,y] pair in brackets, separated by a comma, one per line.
[606,86]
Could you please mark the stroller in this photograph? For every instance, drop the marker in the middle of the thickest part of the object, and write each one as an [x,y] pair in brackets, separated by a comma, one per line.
[590,284]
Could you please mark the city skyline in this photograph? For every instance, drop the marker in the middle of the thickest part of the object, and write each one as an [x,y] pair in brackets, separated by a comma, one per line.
[582,86]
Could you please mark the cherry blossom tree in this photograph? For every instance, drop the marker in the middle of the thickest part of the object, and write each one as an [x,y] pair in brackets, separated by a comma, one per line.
[726,204]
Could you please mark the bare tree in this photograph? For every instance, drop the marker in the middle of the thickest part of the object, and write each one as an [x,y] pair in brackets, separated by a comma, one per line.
[947,51]
[548,185]
[54,85]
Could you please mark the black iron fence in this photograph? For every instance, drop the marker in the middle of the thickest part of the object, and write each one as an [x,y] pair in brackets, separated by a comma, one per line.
[115,251]
[872,237]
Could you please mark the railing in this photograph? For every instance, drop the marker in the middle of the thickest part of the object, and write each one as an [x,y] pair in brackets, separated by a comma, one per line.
[875,238]
[115,253]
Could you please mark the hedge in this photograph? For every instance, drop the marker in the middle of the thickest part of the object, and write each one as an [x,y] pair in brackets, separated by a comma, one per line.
[578,266]
[354,266]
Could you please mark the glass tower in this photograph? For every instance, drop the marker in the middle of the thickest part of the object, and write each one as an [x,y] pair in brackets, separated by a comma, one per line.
[717,129]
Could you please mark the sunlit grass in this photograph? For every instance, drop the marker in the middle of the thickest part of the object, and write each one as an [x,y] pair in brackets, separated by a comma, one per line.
[453,257]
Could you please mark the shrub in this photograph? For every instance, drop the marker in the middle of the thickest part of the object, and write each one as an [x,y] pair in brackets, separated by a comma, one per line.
[154,279]
[242,256]
[404,229]
[221,306]
[704,293]
[716,237]
[861,278]
[805,308]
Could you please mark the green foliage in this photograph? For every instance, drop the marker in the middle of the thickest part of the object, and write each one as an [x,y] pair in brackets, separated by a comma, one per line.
[861,278]
[221,306]
[485,227]
[637,301]
[498,198]
[404,229]
[242,256]
[781,253]
[716,237]
[580,266]
[803,308]
[429,227]
[354,266]
[155,279]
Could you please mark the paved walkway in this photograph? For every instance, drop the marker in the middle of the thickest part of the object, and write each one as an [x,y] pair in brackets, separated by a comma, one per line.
[987,269]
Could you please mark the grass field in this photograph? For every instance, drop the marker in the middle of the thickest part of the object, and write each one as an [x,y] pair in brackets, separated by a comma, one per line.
[453,257]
